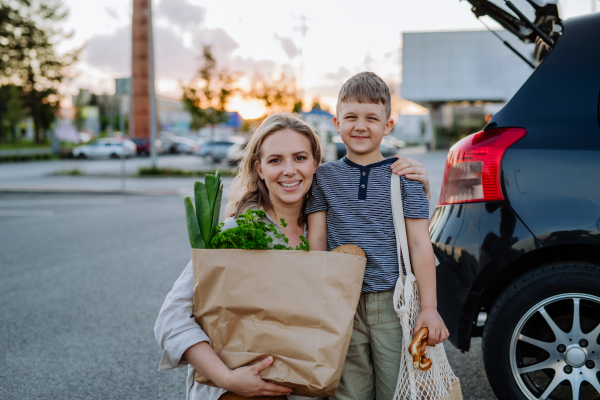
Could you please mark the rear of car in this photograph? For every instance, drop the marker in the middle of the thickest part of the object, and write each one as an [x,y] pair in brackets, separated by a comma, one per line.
[142,146]
[517,230]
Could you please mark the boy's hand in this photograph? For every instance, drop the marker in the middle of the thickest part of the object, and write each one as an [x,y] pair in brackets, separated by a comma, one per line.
[430,318]
[412,169]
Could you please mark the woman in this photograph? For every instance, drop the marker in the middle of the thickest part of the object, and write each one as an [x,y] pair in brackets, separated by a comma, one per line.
[275,175]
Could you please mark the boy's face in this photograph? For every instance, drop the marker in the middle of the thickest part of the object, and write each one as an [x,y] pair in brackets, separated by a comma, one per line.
[362,127]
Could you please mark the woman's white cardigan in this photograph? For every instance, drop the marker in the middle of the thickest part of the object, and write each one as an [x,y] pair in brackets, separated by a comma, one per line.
[176,331]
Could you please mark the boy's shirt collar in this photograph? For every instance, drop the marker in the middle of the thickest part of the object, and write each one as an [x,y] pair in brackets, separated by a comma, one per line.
[369,166]
[364,172]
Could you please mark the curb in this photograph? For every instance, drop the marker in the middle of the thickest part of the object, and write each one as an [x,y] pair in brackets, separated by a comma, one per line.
[16,189]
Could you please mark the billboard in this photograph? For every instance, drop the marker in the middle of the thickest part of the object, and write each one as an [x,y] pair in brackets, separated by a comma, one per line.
[462,66]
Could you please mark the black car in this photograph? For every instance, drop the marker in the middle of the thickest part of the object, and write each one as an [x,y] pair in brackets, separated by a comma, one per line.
[517,229]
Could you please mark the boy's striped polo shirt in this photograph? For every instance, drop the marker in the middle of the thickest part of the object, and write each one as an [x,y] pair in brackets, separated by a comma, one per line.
[359,211]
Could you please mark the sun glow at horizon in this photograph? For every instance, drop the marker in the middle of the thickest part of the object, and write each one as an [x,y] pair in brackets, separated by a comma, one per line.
[247,108]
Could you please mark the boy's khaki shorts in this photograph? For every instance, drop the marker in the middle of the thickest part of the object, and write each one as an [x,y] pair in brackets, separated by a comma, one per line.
[373,361]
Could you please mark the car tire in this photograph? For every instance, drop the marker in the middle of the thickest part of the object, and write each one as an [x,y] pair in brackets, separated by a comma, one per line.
[114,156]
[81,156]
[525,356]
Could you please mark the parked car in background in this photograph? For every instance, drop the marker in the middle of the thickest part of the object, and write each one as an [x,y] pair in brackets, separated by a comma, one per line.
[236,152]
[143,146]
[400,144]
[105,148]
[388,148]
[517,228]
[173,144]
[215,151]
[83,137]
[185,145]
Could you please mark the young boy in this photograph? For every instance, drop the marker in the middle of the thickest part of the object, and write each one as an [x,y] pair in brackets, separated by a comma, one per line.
[350,203]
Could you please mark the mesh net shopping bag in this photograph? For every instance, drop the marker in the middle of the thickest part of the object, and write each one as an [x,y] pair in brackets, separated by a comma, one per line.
[439,382]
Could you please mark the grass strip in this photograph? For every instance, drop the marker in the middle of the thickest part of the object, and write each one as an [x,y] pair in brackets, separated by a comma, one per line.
[149,171]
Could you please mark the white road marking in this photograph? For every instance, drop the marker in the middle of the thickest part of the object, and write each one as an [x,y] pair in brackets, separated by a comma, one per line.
[60,202]
[29,213]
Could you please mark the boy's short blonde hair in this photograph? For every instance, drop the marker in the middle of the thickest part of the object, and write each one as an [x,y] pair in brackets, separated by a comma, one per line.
[365,87]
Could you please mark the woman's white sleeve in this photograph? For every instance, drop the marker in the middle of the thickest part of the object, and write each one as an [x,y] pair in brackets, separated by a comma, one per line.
[176,329]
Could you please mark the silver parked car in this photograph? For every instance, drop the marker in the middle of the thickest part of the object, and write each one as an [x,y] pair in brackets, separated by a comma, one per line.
[105,148]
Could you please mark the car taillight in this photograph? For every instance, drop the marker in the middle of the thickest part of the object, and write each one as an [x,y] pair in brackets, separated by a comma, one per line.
[473,166]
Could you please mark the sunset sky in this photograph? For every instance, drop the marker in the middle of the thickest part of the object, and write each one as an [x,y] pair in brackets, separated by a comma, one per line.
[263,37]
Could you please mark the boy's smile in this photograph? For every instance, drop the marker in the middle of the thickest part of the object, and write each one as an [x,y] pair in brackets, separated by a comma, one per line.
[362,126]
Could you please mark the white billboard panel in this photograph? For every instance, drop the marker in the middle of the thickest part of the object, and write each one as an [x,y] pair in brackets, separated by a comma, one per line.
[459,66]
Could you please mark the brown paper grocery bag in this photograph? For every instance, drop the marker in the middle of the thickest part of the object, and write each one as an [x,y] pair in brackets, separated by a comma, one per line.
[296,306]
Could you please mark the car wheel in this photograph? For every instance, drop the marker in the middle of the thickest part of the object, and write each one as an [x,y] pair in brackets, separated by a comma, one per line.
[541,337]
[81,156]
[114,155]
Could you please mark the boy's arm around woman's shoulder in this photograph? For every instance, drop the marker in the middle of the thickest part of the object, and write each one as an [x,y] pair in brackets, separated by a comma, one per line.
[423,265]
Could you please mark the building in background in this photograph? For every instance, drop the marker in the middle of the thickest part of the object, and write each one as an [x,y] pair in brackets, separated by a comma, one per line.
[172,116]
[461,77]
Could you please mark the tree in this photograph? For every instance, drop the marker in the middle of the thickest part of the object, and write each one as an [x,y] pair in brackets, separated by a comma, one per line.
[208,92]
[15,111]
[278,94]
[12,109]
[32,61]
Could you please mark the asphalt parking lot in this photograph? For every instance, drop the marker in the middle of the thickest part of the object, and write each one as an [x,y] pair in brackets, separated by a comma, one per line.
[84,275]
[83,278]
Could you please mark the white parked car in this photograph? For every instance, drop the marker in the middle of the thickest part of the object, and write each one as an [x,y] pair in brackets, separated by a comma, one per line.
[105,148]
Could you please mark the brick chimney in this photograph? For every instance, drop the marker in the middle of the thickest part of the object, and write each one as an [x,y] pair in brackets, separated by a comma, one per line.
[140,70]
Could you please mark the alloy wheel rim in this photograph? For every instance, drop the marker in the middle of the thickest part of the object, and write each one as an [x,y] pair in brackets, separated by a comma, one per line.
[574,356]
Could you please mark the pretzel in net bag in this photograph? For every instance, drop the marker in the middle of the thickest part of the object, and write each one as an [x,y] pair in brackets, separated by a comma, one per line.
[438,382]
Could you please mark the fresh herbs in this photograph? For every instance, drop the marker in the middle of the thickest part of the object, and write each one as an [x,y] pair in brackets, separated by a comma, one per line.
[202,223]
[253,234]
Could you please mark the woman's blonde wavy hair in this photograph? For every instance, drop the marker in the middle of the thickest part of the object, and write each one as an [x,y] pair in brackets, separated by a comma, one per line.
[248,191]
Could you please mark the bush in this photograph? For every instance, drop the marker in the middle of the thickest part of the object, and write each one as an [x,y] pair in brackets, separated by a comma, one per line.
[27,157]
[155,171]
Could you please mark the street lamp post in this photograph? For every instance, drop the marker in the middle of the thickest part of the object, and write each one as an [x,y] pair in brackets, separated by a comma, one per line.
[152,88]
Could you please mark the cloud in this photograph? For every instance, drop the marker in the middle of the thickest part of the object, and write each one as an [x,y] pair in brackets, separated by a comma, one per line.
[288,46]
[181,13]
[340,76]
[368,62]
[222,45]
[111,55]
[112,12]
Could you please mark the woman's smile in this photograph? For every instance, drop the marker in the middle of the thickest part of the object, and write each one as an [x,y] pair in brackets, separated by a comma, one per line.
[290,186]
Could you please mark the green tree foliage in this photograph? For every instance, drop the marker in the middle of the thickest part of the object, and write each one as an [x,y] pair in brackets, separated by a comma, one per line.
[208,92]
[15,110]
[12,110]
[28,56]
[276,94]
[297,107]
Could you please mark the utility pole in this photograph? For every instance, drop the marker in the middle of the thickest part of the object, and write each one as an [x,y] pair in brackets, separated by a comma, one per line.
[152,88]
[303,28]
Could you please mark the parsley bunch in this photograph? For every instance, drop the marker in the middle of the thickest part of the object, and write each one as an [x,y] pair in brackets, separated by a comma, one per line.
[253,234]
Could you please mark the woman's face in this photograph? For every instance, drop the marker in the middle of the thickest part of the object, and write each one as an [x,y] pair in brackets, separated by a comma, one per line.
[287,166]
